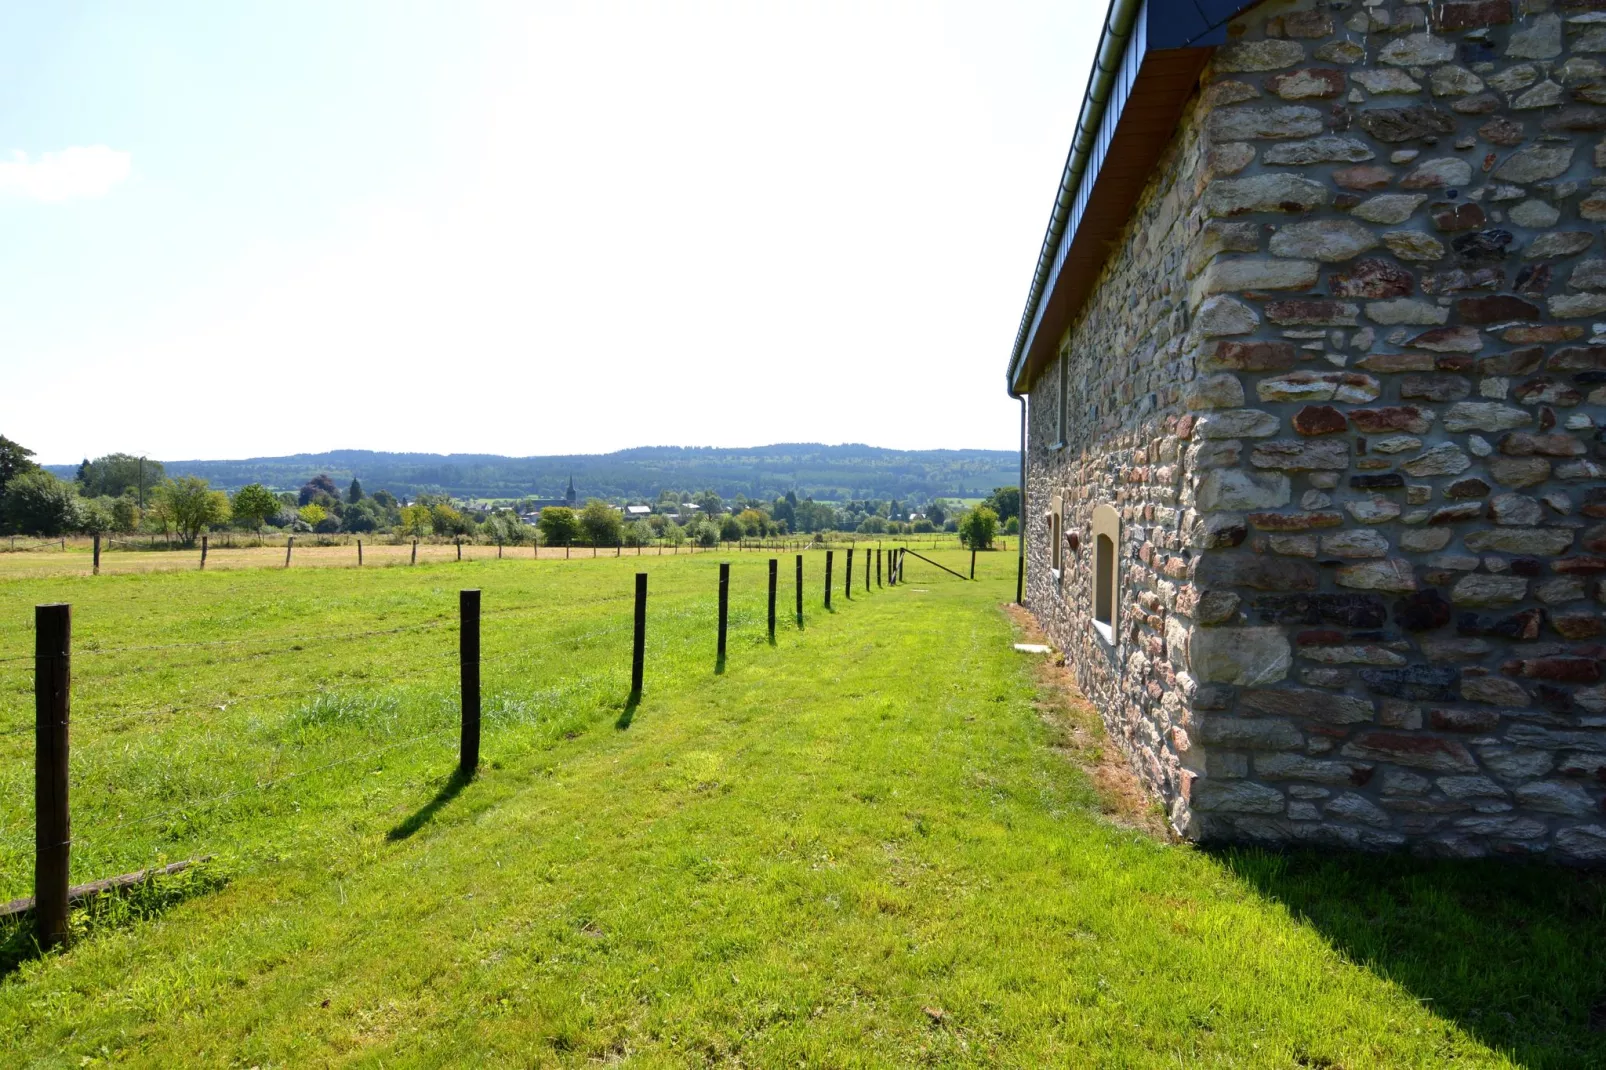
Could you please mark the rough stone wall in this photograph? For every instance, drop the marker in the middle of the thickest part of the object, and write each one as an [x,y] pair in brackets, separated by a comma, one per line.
[1128,367]
[1349,405]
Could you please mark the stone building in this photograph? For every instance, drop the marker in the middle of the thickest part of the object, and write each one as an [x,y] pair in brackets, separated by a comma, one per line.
[1314,381]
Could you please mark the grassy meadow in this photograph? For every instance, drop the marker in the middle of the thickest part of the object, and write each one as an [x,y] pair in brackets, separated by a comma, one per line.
[73,555]
[880,841]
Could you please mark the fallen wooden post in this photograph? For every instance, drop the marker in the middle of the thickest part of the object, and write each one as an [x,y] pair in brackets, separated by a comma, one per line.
[80,893]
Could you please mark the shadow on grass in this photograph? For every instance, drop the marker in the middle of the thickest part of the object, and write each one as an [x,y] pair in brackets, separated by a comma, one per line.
[1510,952]
[628,714]
[424,814]
[108,912]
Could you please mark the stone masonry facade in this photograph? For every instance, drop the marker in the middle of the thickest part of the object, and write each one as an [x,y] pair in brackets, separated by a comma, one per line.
[1343,379]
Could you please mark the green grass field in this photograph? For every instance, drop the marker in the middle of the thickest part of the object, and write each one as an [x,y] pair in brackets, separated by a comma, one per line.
[874,843]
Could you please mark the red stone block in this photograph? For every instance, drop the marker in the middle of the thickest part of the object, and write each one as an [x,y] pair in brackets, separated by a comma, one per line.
[1319,420]
[1496,308]
[1373,279]
[1469,14]
[1564,669]
[1582,564]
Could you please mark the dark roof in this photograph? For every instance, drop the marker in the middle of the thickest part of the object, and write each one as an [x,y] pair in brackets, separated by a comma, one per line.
[1118,141]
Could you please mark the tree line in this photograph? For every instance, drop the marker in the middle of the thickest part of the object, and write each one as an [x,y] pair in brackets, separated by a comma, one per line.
[123,494]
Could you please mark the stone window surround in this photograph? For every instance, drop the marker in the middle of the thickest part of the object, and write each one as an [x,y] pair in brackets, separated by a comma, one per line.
[1106,579]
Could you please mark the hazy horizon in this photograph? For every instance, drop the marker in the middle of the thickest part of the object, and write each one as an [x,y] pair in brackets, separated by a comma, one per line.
[523,229]
[56,463]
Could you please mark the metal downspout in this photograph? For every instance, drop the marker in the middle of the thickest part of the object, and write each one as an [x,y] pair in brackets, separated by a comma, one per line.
[1112,43]
[1020,540]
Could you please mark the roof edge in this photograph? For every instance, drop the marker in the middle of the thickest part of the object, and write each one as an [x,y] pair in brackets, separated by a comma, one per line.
[1131,30]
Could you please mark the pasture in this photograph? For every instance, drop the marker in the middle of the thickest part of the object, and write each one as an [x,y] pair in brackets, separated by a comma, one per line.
[877,841]
[73,555]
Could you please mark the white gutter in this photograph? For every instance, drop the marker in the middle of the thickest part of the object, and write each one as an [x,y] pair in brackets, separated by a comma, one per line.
[1112,43]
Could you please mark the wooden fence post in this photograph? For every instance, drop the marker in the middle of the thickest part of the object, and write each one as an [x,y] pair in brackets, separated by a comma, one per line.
[847,576]
[52,689]
[775,568]
[97,553]
[724,606]
[468,662]
[289,544]
[866,570]
[972,562]
[828,554]
[800,590]
[203,551]
[878,566]
[638,652]
[359,553]
[459,548]
[499,549]
[415,552]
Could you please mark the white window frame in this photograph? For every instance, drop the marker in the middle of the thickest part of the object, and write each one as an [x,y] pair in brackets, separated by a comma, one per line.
[1105,587]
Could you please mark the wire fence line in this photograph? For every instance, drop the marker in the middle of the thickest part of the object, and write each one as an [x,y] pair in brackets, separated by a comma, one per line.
[52,706]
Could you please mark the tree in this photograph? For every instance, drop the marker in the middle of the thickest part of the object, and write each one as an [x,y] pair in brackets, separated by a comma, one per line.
[354,492]
[253,504]
[116,474]
[1004,502]
[785,509]
[318,484]
[602,523]
[1012,526]
[560,525]
[505,526]
[753,522]
[730,529]
[637,533]
[384,499]
[94,517]
[978,528]
[703,532]
[937,511]
[447,521]
[190,506]
[37,503]
[708,502]
[312,514]
[125,515]
[14,462]
[417,520]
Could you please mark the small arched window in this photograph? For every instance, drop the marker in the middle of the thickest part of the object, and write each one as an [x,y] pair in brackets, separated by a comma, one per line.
[1106,582]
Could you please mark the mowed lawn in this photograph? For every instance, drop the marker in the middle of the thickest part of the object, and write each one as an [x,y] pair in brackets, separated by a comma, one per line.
[874,843]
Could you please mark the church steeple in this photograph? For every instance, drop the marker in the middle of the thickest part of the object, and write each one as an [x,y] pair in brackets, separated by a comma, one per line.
[568,495]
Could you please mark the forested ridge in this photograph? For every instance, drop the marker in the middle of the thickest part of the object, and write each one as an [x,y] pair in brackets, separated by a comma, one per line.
[826,473]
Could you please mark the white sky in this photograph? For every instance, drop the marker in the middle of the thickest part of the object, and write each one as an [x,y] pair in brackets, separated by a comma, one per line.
[523,229]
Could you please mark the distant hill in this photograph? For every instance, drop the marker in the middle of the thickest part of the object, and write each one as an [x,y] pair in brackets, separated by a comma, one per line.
[827,473]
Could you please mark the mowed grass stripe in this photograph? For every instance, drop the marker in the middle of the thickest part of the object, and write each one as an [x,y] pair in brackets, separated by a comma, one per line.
[855,848]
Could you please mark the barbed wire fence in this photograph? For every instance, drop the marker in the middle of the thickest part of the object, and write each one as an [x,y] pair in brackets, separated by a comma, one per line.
[53,658]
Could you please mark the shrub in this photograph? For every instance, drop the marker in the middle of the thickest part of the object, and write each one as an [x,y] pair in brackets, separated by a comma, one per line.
[978,528]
